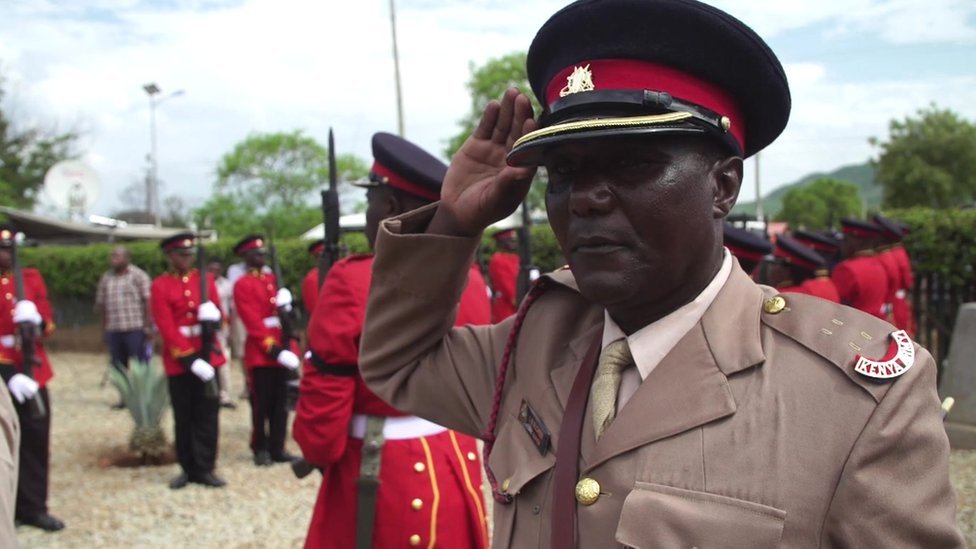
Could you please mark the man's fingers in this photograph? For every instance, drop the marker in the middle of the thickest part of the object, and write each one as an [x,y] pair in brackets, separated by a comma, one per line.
[522,112]
[487,123]
[504,124]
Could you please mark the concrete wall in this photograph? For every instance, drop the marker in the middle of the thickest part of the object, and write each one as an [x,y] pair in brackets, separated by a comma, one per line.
[959,379]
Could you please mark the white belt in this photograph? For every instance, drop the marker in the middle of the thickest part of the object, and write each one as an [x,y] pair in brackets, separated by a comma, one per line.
[7,341]
[272,322]
[396,428]
[191,331]
[900,294]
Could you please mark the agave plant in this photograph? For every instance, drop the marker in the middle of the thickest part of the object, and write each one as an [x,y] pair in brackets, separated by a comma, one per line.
[145,394]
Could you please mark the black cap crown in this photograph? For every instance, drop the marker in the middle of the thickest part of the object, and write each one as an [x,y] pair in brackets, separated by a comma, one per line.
[624,67]
[405,166]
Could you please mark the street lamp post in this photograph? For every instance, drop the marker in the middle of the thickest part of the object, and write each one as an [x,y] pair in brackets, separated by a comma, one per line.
[152,182]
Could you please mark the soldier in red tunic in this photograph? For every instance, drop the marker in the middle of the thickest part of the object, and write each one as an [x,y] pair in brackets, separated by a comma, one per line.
[178,313]
[310,284]
[503,269]
[798,269]
[900,277]
[860,279]
[267,357]
[35,433]
[429,478]
[747,247]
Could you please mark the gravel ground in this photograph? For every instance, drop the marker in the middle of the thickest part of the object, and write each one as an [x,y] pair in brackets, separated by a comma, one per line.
[261,507]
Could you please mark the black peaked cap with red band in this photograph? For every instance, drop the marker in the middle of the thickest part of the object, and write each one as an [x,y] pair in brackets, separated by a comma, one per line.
[317,247]
[820,243]
[8,235]
[179,241]
[796,254]
[746,244]
[892,229]
[605,68]
[864,229]
[248,243]
[405,166]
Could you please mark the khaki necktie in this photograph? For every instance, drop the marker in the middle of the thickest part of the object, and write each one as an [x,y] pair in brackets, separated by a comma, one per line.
[603,394]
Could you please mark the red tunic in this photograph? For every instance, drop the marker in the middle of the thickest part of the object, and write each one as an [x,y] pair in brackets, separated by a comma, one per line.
[862,283]
[822,287]
[902,307]
[430,486]
[34,290]
[174,300]
[310,290]
[503,269]
[254,301]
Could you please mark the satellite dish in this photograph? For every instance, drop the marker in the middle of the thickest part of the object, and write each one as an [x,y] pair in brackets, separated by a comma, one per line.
[71,186]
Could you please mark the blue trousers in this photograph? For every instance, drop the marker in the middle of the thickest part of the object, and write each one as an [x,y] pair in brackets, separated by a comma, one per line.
[125,345]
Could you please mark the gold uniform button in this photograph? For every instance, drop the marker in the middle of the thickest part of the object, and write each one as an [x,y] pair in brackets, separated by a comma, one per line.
[190,303]
[186,293]
[419,467]
[186,279]
[415,540]
[9,295]
[774,305]
[587,491]
[417,504]
[505,484]
[472,456]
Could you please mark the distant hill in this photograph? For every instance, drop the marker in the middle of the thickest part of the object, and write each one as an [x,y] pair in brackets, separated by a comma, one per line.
[861,175]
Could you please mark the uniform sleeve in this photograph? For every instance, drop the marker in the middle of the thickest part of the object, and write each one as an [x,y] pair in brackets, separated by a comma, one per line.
[410,355]
[165,318]
[846,282]
[252,310]
[894,490]
[322,415]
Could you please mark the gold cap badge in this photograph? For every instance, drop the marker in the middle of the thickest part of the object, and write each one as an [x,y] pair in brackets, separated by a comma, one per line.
[579,81]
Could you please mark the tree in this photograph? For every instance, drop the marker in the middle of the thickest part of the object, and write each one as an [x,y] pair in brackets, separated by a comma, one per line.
[487,82]
[26,153]
[821,204]
[929,161]
[267,183]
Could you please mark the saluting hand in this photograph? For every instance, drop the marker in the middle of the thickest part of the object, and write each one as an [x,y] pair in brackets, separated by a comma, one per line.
[480,188]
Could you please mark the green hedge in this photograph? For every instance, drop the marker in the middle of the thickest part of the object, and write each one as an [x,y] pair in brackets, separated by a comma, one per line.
[941,242]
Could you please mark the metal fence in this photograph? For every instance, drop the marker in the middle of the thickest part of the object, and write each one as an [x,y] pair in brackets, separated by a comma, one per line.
[935,302]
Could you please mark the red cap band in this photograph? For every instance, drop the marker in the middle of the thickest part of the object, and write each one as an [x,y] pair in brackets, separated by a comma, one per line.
[633,74]
[815,244]
[745,253]
[395,180]
[180,244]
[863,232]
[251,245]
[317,248]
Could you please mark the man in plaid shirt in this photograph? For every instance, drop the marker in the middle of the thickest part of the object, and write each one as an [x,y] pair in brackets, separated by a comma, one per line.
[122,300]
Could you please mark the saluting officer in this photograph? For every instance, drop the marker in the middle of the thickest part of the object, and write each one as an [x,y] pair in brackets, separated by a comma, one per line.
[310,284]
[652,395]
[860,278]
[178,312]
[35,433]
[746,246]
[796,269]
[428,477]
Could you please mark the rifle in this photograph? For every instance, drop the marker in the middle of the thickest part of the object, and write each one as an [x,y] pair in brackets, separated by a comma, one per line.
[525,253]
[284,313]
[208,330]
[28,339]
[330,214]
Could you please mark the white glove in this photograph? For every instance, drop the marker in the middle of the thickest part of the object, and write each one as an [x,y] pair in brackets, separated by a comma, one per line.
[208,312]
[202,369]
[283,298]
[288,359]
[534,274]
[22,387]
[26,311]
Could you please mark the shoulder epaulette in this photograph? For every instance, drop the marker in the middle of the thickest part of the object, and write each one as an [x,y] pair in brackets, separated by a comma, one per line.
[870,352]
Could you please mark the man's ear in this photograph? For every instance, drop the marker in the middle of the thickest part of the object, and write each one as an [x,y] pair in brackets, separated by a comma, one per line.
[727,180]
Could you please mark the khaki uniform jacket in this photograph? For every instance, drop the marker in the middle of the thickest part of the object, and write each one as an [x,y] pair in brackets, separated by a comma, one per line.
[9,460]
[754,431]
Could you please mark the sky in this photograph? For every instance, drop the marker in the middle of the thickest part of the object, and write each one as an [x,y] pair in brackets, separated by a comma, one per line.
[255,66]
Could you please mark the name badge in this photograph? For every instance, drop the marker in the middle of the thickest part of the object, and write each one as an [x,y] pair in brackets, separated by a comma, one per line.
[534,426]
